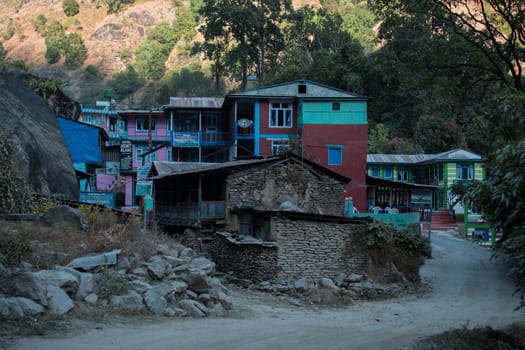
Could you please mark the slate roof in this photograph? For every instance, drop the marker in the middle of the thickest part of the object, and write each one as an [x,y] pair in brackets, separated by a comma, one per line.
[163,169]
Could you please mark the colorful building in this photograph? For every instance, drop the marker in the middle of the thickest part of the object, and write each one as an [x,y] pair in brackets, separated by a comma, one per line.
[322,123]
[440,171]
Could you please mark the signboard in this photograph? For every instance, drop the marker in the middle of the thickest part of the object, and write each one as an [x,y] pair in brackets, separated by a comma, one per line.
[126,156]
[184,139]
[148,202]
[144,188]
[104,198]
[142,172]
[421,197]
[112,168]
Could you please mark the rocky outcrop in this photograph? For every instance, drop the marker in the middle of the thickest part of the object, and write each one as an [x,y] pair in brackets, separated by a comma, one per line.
[174,283]
[37,150]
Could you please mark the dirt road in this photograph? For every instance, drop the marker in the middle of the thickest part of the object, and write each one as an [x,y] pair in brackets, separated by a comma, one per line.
[468,289]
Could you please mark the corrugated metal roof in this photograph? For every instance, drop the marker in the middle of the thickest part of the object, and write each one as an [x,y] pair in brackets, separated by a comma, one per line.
[397,158]
[196,102]
[457,154]
[291,89]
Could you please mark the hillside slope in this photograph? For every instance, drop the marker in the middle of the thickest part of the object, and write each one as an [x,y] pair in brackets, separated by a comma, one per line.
[105,37]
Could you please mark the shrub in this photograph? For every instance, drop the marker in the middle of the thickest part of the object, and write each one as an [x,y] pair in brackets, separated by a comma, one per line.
[13,245]
[39,24]
[75,51]
[111,283]
[70,7]
[52,54]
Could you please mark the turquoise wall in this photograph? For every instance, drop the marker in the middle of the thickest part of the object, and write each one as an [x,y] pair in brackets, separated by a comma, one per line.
[320,112]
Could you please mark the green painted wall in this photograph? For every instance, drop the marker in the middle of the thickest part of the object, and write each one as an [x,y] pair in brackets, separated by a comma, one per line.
[320,112]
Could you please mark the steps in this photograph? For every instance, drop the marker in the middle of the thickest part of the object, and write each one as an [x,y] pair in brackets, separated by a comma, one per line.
[443,220]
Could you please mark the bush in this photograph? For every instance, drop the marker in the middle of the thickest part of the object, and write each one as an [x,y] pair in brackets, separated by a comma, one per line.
[75,51]
[13,245]
[52,55]
[70,7]
[39,24]
[111,283]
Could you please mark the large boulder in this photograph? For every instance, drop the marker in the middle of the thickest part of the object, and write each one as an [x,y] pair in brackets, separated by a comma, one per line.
[23,284]
[58,301]
[38,152]
[17,307]
[63,215]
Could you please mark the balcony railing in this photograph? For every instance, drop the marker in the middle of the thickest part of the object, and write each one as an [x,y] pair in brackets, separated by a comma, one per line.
[200,138]
[208,210]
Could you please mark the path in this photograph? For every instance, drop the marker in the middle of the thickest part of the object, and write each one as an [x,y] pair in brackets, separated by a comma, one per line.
[468,289]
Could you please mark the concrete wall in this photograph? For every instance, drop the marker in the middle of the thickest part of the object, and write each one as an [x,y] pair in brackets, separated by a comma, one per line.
[266,188]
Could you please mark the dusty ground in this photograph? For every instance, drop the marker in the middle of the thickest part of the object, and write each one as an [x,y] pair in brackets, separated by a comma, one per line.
[467,289]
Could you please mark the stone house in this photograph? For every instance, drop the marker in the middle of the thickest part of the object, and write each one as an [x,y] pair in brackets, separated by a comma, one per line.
[278,217]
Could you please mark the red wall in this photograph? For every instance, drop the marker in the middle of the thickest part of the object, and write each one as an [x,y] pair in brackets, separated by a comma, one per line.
[354,138]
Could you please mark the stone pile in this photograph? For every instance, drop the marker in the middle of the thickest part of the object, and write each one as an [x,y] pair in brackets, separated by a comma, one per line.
[175,282]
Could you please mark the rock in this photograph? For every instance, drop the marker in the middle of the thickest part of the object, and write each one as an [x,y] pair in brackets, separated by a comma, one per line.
[157,267]
[58,301]
[140,286]
[216,310]
[304,284]
[354,278]
[216,285]
[167,250]
[132,301]
[166,288]
[88,263]
[62,279]
[123,264]
[193,308]
[91,299]
[17,307]
[174,312]
[327,283]
[223,299]
[187,254]
[87,285]
[197,280]
[23,284]
[203,264]
[204,298]
[191,294]
[64,216]
[174,261]
[155,303]
[340,280]
[140,271]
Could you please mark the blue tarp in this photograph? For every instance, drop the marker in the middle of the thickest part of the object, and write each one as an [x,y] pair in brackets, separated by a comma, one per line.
[82,141]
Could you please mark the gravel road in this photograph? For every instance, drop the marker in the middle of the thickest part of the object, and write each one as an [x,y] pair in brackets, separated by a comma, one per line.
[467,289]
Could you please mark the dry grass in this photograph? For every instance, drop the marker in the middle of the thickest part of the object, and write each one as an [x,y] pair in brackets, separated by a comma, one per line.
[107,231]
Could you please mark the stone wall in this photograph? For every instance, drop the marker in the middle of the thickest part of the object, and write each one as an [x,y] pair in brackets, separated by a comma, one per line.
[319,249]
[255,262]
[291,181]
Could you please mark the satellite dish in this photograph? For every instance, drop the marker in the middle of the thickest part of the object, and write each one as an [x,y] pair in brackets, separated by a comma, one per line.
[244,123]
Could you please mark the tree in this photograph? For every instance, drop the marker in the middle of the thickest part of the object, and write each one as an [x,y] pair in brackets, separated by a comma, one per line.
[74,51]
[70,7]
[436,134]
[378,139]
[39,24]
[242,46]
[126,83]
[114,6]
[150,59]
[494,28]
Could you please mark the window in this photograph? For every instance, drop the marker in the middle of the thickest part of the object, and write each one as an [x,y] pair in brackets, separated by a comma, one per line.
[148,159]
[465,171]
[336,106]
[388,173]
[301,89]
[280,115]
[279,147]
[142,124]
[375,171]
[335,155]
[402,175]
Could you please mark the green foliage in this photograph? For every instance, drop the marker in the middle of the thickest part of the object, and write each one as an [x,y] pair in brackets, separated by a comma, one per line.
[75,51]
[91,72]
[111,283]
[184,24]
[150,59]
[437,135]
[114,6]
[3,53]
[378,139]
[12,28]
[125,83]
[382,235]
[52,55]
[13,245]
[39,24]
[70,7]
[126,54]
